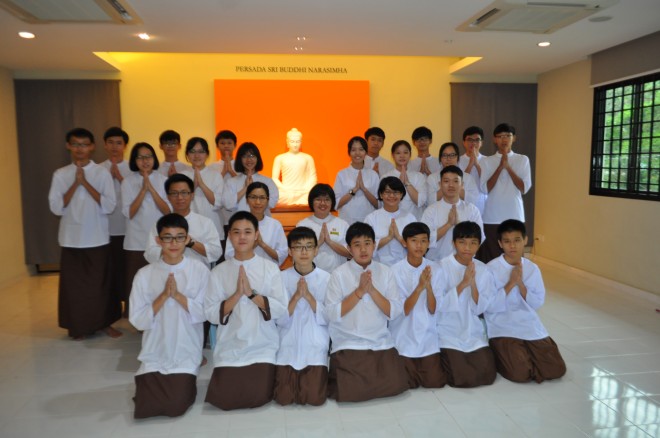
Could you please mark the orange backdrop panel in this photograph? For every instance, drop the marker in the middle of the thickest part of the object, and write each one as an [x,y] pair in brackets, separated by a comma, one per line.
[328,113]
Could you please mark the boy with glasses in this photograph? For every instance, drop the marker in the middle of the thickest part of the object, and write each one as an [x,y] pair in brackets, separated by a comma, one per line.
[301,375]
[167,304]
[470,161]
[505,176]
[170,143]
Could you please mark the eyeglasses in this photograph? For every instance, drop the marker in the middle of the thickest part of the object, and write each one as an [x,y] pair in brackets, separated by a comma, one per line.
[182,193]
[168,238]
[452,155]
[301,248]
[257,198]
[501,136]
[171,144]
[144,157]
[196,151]
[80,145]
[473,140]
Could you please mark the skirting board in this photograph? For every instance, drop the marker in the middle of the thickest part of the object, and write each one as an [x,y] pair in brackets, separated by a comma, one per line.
[619,287]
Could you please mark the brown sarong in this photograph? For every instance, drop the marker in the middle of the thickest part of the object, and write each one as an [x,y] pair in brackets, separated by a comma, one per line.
[250,386]
[359,375]
[308,386]
[468,370]
[85,304]
[164,394]
[489,248]
[425,371]
[522,361]
[117,269]
[134,261]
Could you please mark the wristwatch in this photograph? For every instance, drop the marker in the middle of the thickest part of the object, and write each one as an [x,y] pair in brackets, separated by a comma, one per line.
[351,192]
[254,294]
[190,244]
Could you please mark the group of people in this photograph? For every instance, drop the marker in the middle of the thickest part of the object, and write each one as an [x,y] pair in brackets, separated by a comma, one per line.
[419,280]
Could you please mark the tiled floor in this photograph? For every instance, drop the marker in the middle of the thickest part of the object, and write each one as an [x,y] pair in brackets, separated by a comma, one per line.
[51,386]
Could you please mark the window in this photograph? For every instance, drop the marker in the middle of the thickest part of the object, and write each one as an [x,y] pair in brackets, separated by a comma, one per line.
[625,152]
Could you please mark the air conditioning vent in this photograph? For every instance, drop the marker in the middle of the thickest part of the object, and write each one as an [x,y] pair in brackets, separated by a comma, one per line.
[532,16]
[72,11]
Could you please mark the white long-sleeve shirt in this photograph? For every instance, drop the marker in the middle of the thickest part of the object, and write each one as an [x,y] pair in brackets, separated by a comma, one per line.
[304,337]
[463,163]
[245,338]
[505,200]
[139,226]
[433,163]
[359,206]
[272,233]
[459,327]
[200,229]
[84,222]
[218,166]
[384,165]
[381,220]
[117,221]
[173,337]
[510,315]
[416,334]
[164,168]
[214,181]
[365,326]
[470,186]
[327,259]
[435,217]
[418,181]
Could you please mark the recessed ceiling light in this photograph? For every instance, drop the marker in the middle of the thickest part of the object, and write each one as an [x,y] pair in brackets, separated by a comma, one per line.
[600,19]
[543,44]
[298,48]
[301,38]
[144,36]
[26,35]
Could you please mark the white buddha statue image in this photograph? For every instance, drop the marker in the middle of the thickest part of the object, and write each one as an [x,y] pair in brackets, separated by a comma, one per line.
[294,172]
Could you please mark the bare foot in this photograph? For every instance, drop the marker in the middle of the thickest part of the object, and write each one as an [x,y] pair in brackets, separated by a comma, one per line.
[204,361]
[112,332]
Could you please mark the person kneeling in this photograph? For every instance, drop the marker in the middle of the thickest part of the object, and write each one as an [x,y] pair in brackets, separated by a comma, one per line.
[361,299]
[167,303]
[245,297]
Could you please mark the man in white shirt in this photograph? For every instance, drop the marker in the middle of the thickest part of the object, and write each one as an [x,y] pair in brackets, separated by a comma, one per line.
[361,299]
[167,304]
[425,163]
[170,143]
[375,137]
[83,195]
[443,216]
[505,176]
[470,161]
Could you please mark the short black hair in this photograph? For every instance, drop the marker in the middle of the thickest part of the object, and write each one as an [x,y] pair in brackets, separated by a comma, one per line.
[245,149]
[300,233]
[171,220]
[471,130]
[359,229]
[243,215]
[132,160]
[193,141]
[116,131]
[80,133]
[257,185]
[357,139]
[177,178]
[169,135]
[509,226]
[321,189]
[415,229]
[399,143]
[466,230]
[422,131]
[374,130]
[451,169]
[225,134]
[504,128]
[394,184]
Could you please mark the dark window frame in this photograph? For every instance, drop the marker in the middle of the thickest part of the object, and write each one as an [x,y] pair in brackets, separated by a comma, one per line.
[625,142]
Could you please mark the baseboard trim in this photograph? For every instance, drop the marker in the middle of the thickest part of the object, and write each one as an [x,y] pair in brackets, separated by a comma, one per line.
[615,285]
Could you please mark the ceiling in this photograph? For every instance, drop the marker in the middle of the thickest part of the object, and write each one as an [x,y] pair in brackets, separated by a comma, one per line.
[333,27]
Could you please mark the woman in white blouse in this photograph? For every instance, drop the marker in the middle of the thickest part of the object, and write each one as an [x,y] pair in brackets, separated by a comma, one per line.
[414,182]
